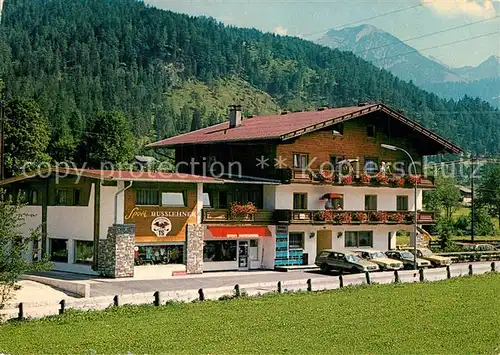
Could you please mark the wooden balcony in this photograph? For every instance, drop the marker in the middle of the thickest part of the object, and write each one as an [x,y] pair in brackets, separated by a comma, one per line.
[325,177]
[213,215]
[353,217]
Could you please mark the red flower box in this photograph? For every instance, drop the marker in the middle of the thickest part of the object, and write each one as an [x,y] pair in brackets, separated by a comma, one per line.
[365,179]
[347,180]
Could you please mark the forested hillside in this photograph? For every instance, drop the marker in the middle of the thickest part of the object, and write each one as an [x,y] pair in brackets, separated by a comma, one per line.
[77,58]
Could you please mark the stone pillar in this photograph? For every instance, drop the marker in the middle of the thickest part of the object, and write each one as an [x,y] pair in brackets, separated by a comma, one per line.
[194,255]
[116,252]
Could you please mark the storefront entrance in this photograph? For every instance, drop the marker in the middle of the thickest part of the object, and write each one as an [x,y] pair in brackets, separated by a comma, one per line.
[243,255]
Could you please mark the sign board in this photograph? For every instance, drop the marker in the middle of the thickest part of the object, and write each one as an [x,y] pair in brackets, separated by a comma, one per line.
[159,224]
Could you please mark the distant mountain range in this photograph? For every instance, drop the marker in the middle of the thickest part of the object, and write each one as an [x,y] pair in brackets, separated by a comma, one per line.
[388,52]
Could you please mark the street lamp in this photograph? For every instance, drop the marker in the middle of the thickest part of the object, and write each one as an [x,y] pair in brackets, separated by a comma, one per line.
[392,147]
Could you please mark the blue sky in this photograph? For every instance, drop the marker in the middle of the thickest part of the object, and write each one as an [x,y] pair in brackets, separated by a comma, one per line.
[310,19]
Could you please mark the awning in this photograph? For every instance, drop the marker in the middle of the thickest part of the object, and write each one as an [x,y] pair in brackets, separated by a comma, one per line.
[237,232]
[331,196]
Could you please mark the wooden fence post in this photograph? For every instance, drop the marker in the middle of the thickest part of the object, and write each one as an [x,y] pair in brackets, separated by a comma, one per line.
[448,272]
[341,280]
[470,270]
[280,289]
[20,315]
[368,278]
[309,285]
[396,276]
[201,295]
[237,290]
[63,306]
[116,301]
[421,275]
[156,295]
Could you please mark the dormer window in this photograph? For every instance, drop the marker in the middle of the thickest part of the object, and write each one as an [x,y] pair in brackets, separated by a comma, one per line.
[370,131]
[338,129]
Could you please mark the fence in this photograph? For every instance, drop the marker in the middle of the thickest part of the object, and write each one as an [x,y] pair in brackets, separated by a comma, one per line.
[39,310]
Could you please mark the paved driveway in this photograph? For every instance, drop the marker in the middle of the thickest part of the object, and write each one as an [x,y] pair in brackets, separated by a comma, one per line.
[103,287]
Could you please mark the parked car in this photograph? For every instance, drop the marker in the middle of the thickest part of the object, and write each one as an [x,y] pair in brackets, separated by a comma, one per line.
[379,258]
[343,261]
[407,259]
[435,260]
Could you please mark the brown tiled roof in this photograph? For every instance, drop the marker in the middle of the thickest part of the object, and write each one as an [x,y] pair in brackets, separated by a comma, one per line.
[260,127]
[286,126]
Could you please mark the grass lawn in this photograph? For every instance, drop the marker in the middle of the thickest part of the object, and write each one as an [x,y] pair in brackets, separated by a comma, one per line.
[459,316]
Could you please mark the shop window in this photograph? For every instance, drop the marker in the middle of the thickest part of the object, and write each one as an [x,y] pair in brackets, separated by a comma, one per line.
[173,199]
[146,197]
[300,201]
[219,251]
[58,250]
[300,160]
[67,196]
[206,200]
[159,254]
[296,240]
[84,252]
[371,165]
[402,203]
[370,131]
[370,202]
[62,197]
[29,197]
[254,249]
[358,239]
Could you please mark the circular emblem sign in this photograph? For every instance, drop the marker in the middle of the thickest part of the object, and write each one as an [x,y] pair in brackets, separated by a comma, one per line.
[161,226]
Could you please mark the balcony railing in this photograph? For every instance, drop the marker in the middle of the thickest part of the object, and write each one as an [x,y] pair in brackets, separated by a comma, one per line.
[353,217]
[326,177]
[215,215]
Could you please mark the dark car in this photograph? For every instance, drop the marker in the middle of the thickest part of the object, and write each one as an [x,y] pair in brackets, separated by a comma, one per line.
[343,261]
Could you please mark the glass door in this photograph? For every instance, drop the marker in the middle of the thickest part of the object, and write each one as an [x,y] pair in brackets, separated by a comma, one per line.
[243,255]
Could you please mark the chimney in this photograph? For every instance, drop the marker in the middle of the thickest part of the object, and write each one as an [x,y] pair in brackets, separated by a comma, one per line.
[234,116]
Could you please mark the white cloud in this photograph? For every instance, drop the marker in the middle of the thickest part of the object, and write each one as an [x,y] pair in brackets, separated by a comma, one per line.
[473,8]
[280,30]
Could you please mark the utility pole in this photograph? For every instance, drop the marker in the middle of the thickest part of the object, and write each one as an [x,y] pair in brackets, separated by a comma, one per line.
[472,214]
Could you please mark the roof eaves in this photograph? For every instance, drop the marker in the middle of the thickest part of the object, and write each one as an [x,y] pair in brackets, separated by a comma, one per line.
[330,122]
[188,181]
[452,147]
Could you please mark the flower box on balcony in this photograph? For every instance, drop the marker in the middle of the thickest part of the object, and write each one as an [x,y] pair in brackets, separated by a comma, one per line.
[382,179]
[243,212]
[399,182]
[413,179]
[396,218]
[346,180]
[360,217]
[380,217]
[342,218]
[365,179]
